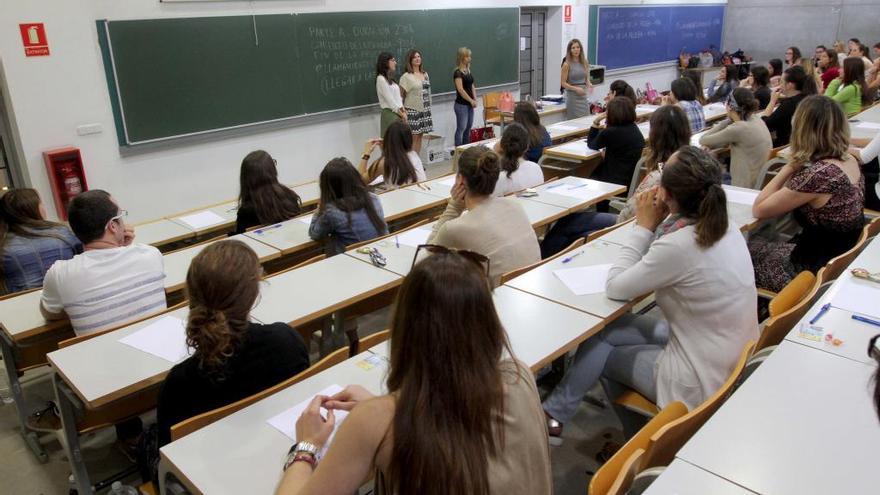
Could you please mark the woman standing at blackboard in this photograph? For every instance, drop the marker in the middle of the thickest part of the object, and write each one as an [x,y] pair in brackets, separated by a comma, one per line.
[388,92]
[465,97]
[417,98]
[576,81]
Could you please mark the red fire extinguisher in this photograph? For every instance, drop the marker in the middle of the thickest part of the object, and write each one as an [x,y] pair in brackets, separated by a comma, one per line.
[71,185]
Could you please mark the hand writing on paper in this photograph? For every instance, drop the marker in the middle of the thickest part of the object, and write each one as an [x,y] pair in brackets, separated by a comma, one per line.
[348,398]
[650,210]
[312,427]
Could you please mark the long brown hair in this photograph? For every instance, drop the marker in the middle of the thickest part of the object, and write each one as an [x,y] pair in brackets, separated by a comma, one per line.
[526,114]
[583,57]
[514,144]
[222,284]
[446,346]
[854,73]
[410,55]
[259,189]
[819,130]
[670,130]
[342,186]
[480,168]
[396,144]
[693,179]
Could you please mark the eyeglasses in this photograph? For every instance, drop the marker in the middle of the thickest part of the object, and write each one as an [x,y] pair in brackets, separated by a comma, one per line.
[478,259]
[874,347]
[121,214]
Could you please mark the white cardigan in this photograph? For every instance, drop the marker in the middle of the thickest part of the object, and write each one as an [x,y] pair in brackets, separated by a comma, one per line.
[388,94]
[708,297]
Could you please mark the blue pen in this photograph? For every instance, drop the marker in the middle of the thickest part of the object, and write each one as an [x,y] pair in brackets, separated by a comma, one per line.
[396,241]
[824,309]
[577,187]
[566,260]
[556,185]
[264,229]
[866,320]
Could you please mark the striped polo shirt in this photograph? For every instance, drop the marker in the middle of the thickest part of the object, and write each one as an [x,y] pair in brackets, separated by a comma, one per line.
[105,288]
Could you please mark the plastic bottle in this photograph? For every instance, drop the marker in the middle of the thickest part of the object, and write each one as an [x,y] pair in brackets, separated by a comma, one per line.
[117,488]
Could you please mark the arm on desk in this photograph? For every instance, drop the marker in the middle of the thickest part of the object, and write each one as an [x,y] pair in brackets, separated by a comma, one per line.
[51,306]
[349,461]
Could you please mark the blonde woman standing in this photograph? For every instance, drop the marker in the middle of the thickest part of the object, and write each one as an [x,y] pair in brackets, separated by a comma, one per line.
[465,97]
[576,81]
[416,86]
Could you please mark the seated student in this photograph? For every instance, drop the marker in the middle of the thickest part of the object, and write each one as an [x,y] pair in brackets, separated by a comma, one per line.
[669,132]
[795,87]
[399,164]
[684,94]
[722,86]
[263,200]
[775,68]
[746,135]
[695,78]
[497,228]
[114,281]
[822,185]
[233,357]
[620,88]
[30,244]
[347,212]
[792,56]
[864,53]
[759,82]
[620,138]
[850,90]
[684,249]
[829,67]
[866,152]
[450,358]
[517,173]
[526,114]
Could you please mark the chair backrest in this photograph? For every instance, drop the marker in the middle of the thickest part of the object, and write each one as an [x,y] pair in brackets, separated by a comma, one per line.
[771,168]
[490,105]
[837,265]
[638,173]
[592,236]
[604,478]
[872,228]
[627,473]
[314,259]
[792,293]
[506,277]
[667,441]
[777,327]
[81,338]
[372,340]
[190,425]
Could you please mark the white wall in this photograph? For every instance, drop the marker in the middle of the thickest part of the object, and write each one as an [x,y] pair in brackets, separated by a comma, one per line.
[51,96]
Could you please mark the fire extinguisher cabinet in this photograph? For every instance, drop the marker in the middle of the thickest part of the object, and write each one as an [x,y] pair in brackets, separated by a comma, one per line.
[67,176]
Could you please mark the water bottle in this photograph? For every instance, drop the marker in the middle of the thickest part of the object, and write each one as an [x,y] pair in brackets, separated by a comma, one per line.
[117,488]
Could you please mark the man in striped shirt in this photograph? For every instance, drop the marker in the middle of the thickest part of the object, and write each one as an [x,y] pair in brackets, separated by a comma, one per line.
[113,281]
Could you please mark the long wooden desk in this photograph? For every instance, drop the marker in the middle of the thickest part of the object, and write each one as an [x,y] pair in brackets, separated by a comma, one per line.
[683,478]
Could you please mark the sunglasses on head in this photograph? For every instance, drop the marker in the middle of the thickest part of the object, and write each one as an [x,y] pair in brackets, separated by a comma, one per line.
[478,259]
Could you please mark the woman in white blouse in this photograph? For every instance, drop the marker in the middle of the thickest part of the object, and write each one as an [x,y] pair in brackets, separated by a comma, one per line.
[866,152]
[684,249]
[390,100]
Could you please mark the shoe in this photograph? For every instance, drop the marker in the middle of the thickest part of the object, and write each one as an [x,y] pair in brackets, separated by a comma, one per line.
[47,419]
[554,429]
[607,452]
[130,448]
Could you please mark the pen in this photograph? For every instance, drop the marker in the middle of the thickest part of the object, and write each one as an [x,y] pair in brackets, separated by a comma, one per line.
[264,229]
[866,320]
[566,260]
[396,241]
[824,309]
[556,185]
[577,187]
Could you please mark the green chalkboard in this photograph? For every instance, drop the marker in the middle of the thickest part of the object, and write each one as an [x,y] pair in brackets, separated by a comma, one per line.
[170,78]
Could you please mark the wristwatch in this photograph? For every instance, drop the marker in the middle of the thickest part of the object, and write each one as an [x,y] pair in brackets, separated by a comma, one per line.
[302,451]
[305,447]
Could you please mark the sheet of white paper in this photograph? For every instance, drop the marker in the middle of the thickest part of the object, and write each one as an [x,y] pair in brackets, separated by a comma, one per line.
[741,197]
[646,108]
[165,338]
[286,421]
[585,279]
[449,181]
[564,127]
[413,237]
[869,125]
[202,219]
[579,191]
[858,296]
[576,147]
[306,219]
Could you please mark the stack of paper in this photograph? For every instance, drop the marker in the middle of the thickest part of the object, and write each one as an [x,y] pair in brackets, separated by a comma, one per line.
[164,338]
[585,279]
[202,219]
[286,421]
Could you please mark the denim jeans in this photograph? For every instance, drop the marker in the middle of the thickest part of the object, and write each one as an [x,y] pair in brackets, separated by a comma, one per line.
[572,227]
[624,354]
[464,120]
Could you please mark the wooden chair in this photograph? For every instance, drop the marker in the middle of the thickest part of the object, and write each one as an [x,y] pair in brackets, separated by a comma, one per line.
[837,265]
[491,112]
[307,262]
[792,293]
[627,473]
[599,233]
[190,425]
[669,439]
[790,309]
[605,477]
[873,227]
[771,168]
[372,340]
[506,277]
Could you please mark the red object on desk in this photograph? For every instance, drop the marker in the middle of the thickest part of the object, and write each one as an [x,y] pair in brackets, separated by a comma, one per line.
[67,176]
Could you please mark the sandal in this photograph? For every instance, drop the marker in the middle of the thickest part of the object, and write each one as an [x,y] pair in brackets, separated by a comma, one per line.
[554,430]
[47,419]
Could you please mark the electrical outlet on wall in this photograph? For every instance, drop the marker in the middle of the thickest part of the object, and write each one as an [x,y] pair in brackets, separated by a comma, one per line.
[86,129]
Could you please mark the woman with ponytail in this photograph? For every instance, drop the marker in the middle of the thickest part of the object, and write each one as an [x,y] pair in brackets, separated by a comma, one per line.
[517,173]
[232,357]
[497,228]
[746,135]
[684,249]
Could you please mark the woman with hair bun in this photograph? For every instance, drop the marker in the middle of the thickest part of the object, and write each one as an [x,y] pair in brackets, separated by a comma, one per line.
[497,228]
[233,357]
[684,249]
[744,131]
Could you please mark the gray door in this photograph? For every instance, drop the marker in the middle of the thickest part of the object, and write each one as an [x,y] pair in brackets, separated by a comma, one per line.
[531,53]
